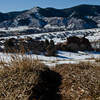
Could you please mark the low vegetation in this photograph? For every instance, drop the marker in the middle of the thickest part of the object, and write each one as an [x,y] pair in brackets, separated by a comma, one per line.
[97,60]
[48,48]
[26,79]
[30,45]
[75,44]
[79,81]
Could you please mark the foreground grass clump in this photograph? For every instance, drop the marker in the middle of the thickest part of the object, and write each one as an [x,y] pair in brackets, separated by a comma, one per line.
[27,79]
[97,60]
[79,81]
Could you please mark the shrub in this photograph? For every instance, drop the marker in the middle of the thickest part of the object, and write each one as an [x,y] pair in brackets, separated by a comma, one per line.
[75,44]
[73,47]
[11,45]
[51,50]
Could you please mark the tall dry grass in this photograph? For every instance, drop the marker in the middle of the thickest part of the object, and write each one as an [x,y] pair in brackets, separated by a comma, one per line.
[24,78]
[79,81]
[18,77]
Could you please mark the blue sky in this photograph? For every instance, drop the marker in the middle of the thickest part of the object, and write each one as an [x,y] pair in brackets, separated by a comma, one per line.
[17,5]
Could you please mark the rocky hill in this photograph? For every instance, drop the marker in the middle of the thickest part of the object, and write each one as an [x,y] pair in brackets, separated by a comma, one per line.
[78,17]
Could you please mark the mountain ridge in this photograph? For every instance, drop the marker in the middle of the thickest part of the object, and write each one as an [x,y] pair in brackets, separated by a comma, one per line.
[77,17]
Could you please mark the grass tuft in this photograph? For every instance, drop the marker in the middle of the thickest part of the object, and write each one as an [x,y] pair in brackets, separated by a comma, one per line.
[79,81]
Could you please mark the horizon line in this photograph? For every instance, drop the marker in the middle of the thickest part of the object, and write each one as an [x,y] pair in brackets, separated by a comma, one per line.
[47,7]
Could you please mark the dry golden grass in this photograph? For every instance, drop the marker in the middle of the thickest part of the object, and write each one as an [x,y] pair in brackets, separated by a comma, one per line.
[26,79]
[97,60]
[79,81]
[19,77]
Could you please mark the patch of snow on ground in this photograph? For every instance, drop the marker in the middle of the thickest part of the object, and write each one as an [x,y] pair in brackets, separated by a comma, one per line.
[61,58]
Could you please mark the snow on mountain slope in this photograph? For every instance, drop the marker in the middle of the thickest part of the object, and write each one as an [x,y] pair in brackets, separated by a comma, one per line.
[91,34]
[78,17]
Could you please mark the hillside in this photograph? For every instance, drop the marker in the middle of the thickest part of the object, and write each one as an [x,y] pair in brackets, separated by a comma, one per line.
[78,17]
[50,54]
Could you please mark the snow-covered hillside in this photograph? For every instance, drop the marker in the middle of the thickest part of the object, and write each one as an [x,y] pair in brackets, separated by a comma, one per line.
[58,37]
[78,17]
[91,34]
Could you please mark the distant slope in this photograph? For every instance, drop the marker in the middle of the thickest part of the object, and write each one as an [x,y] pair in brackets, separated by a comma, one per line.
[78,17]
